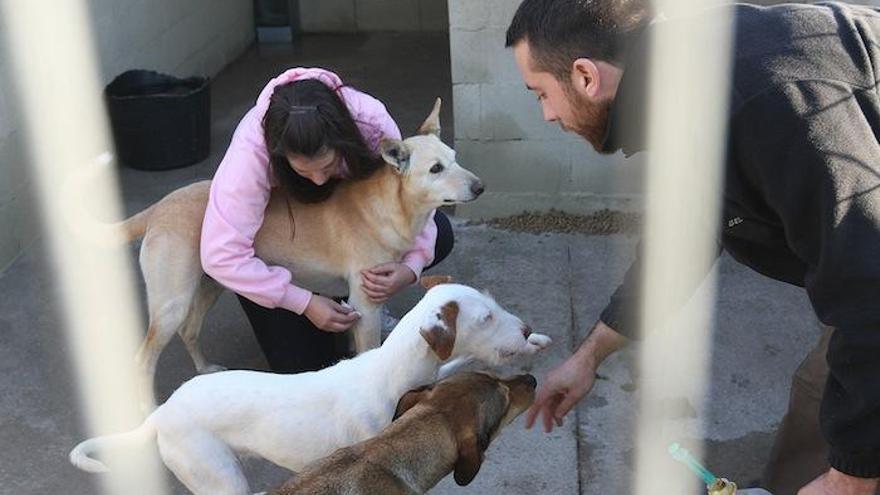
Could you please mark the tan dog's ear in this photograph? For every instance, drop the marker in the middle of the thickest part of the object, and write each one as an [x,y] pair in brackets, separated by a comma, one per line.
[396,153]
[410,399]
[429,281]
[441,337]
[432,123]
[470,457]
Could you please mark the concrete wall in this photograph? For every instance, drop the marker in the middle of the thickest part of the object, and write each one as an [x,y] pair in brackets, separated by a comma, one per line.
[183,38]
[328,16]
[526,163]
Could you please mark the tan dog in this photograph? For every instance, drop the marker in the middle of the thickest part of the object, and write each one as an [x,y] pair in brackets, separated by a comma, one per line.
[325,245]
[437,429]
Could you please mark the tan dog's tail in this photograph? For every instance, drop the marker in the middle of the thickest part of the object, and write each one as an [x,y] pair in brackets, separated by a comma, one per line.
[79,220]
[133,227]
[79,456]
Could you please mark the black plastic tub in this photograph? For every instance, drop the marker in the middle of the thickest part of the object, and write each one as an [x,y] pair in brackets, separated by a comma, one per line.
[159,122]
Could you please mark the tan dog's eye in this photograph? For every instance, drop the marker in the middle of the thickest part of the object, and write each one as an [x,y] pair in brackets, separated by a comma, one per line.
[437,168]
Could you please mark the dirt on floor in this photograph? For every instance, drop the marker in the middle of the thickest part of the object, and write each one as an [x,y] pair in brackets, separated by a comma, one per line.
[602,222]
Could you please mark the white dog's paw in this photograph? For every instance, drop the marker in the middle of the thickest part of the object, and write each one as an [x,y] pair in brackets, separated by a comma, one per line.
[212,368]
[540,341]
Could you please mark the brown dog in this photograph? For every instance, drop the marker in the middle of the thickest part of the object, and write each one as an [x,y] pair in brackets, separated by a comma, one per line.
[441,428]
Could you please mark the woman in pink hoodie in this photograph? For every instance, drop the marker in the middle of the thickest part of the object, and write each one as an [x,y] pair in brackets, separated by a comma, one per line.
[306,133]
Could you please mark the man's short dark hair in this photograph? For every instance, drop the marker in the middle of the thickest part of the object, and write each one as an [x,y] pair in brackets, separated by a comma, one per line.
[561,31]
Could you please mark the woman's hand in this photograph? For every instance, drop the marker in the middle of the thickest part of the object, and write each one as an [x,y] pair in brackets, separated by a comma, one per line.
[383,281]
[330,316]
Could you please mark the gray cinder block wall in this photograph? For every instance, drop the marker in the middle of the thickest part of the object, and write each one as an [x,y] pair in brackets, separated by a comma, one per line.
[348,16]
[182,38]
[500,134]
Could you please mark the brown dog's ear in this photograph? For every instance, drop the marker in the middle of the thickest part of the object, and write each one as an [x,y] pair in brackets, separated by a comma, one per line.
[429,281]
[396,153]
[432,123]
[441,336]
[410,399]
[470,457]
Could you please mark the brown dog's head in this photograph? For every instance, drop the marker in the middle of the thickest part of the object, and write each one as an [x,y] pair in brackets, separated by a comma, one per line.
[477,406]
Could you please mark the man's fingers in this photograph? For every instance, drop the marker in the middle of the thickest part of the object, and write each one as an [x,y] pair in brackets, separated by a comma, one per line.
[531,415]
[549,407]
[564,407]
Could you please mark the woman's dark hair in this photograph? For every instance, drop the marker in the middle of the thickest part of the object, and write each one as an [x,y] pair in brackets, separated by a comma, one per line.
[561,31]
[308,118]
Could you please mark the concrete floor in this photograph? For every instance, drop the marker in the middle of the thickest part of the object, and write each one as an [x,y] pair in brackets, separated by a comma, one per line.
[558,283]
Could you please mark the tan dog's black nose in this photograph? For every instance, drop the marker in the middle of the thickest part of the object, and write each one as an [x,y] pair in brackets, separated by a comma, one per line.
[530,380]
[477,187]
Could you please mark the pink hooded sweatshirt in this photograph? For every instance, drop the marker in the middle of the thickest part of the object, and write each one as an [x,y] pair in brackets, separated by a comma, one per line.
[240,192]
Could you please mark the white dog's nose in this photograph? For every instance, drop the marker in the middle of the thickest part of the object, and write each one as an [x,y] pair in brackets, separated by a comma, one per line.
[477,188]
[526,331]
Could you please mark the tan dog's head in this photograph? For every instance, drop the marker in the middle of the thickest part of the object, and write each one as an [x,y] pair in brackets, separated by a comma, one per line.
[476,406]
[458,321]
[430,172]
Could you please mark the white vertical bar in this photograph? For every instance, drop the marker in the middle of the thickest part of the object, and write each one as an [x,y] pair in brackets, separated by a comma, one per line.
[56,78]
[688,98]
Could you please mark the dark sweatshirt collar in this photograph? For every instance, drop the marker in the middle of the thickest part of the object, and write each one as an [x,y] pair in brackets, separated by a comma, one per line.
[628,114]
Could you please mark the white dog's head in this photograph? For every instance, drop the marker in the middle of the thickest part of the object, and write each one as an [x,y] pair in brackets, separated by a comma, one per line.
[428,166]
[461,322]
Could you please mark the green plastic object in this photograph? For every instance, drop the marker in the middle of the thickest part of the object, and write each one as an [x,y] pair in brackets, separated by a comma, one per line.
[680,454]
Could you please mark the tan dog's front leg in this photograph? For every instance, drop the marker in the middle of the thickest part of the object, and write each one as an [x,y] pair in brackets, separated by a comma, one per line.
[367,330]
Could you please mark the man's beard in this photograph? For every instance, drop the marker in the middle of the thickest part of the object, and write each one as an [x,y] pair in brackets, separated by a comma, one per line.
[590,118]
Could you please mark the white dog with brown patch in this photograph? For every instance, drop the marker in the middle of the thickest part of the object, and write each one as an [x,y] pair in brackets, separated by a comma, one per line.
[325,245]
[292,420]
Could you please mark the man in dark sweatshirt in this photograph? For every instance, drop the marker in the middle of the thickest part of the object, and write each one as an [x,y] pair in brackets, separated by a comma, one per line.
[801,197]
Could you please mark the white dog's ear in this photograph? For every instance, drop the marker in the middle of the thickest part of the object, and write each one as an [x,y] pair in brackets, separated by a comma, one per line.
[429,281]
[441,336]
[395,152]
[432,123]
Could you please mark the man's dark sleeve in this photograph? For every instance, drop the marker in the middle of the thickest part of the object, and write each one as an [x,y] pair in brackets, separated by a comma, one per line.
[622,311]
[813,155]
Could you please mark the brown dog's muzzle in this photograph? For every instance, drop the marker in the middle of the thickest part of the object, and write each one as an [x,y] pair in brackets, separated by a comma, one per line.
[522,392]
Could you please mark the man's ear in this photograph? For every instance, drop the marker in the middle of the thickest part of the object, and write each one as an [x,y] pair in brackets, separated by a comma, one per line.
[470,456]
[585,77]
[395,152]
[441,335]
[431,125]
[410,399]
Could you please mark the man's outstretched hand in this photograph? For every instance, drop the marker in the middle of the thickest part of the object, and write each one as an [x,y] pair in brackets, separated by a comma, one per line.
[560,391]
[570,382]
